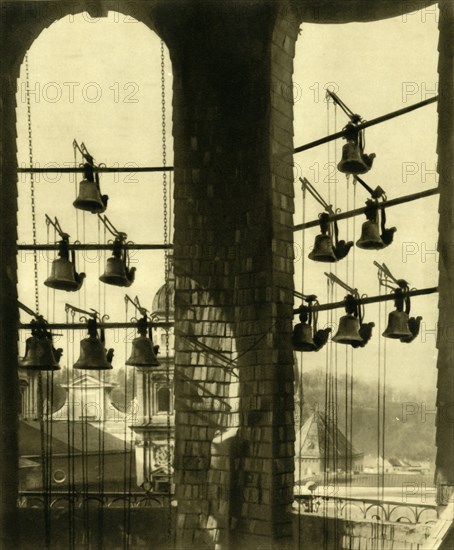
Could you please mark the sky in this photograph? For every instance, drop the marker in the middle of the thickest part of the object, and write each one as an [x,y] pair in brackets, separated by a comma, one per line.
[98,81]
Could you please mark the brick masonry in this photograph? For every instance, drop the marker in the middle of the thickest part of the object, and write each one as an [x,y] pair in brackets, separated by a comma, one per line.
[445,364]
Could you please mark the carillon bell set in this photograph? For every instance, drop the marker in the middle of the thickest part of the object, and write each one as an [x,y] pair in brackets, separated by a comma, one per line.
[352,330]
[40,353]
[118,271]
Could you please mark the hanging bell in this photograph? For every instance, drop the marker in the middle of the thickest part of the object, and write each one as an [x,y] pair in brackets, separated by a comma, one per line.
[397,325]
[93,355]
[63,275]
[348,331]
[142,353]
[352,161]
[117,272]
[40,355]
[302,338]
[90,198]
[370,236]
[323,250]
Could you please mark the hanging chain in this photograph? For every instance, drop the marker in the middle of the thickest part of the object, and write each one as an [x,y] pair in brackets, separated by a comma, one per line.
[167,289]
[164,151]
[32,181]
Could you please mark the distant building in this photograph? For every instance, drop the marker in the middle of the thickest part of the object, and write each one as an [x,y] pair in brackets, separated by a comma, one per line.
[320,447]
[155,425]
[373,464]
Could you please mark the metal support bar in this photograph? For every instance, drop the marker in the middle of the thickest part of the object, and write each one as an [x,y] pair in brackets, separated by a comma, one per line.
[99,169]
[362,210]
[366,124]
[83,326]
[370,300]
[80,246]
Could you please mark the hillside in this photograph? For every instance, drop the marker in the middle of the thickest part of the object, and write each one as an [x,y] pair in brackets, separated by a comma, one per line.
[409,416]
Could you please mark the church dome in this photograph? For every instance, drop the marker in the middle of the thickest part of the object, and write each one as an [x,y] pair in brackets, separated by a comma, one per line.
[159,301]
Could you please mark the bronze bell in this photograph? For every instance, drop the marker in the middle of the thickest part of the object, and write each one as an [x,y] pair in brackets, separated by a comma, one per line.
[397,325]
[348,331]
[40,355]
[63,276]
[302,338]
[323,250]
[142,353]
[117,273]
[90,198]
[93,355]
[370,236]
[352,161]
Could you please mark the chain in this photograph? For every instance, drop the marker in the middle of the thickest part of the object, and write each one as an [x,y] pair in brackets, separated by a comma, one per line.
[32,181]
[167,289]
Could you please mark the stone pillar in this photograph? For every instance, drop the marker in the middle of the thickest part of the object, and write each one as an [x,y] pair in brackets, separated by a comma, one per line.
[444,476]
[9,382]
[233,142]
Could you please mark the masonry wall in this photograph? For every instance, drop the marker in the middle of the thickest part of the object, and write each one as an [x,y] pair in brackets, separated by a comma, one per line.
[444,475]
[234,267]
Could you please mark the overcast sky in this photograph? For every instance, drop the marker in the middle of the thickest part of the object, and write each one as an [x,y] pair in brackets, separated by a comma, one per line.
[99,81]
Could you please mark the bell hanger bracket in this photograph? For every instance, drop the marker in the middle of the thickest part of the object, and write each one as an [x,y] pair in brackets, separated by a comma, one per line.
[401,289]
[377,193]
[142,323]
[355,118]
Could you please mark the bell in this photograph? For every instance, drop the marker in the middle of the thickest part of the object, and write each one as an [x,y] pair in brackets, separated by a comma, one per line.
[348,331]
[302,338]
[353,161]
[63,276]
[142,353]
[323,249]
[89,198]
[397,325]
[117,273]
[39,355]
[93,355]
[370,236]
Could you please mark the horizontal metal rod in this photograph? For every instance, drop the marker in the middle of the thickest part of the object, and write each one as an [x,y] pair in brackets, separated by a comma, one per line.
[370,300]
[99,169]
[366,124]
[80,246]
[83,326]
[358,211]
